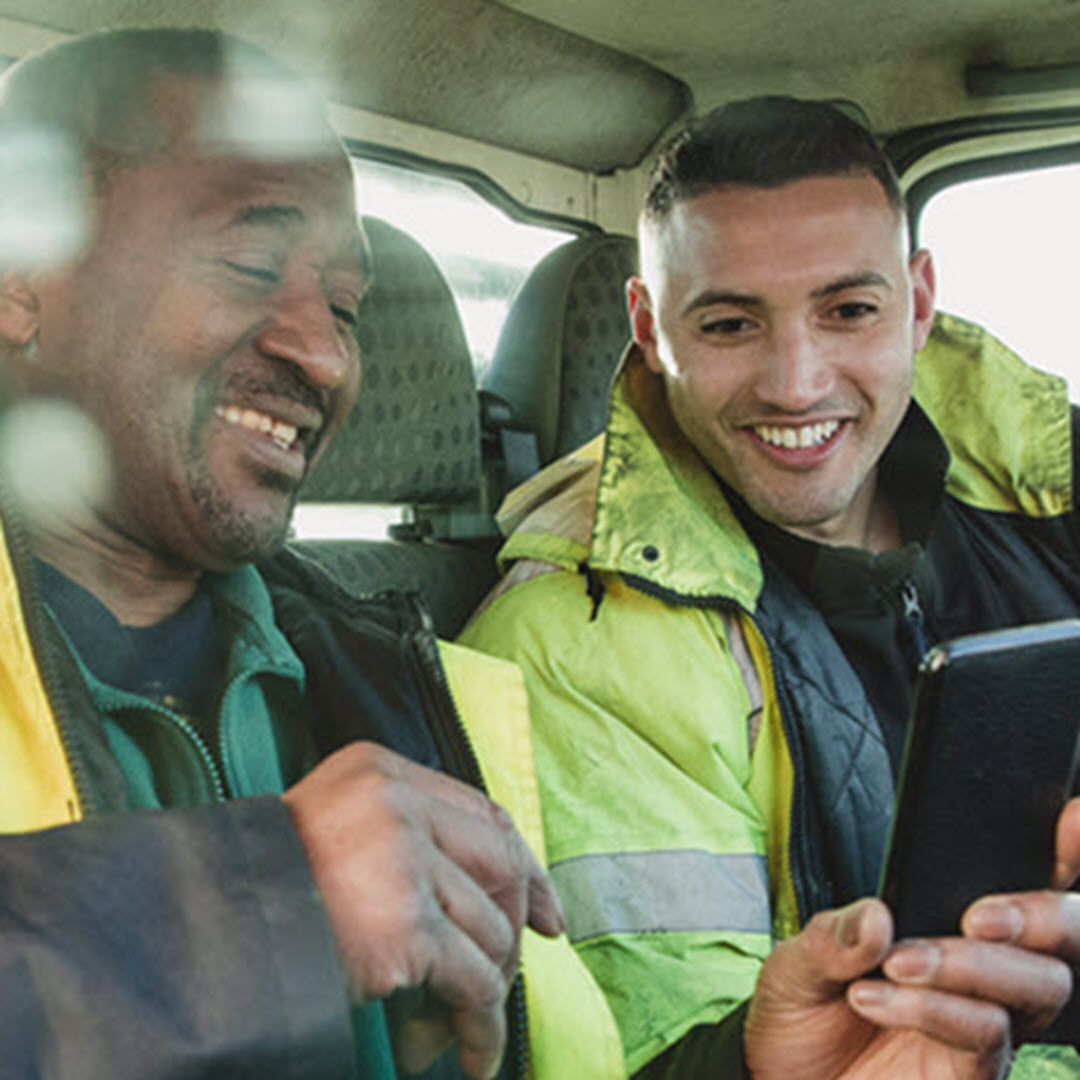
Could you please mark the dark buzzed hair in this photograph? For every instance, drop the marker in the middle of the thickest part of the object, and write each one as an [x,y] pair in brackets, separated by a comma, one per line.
[96,89]
[764,142]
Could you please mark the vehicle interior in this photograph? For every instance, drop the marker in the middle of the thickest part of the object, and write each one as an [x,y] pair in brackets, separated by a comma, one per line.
[501,149]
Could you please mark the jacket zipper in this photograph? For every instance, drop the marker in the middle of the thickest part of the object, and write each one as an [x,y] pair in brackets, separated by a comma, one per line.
[453,743]
[914,619]
[214,772]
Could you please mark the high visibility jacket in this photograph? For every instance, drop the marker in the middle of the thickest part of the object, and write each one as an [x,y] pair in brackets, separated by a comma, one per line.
[711,773]
[194,939]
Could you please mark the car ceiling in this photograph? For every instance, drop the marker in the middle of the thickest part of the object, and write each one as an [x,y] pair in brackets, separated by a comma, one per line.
[595,83]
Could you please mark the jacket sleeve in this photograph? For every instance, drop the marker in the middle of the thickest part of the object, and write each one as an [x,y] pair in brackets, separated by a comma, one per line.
[165,944]
[655,839]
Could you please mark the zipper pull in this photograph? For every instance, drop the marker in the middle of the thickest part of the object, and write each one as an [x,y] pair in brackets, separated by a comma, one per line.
[915,618]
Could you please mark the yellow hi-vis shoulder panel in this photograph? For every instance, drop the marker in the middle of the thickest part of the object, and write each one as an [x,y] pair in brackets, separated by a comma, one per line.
[1007,425]
[37,789]
[571,1030]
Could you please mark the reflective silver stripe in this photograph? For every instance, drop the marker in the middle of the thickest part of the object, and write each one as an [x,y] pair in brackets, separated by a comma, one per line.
[657,891]
[740,653]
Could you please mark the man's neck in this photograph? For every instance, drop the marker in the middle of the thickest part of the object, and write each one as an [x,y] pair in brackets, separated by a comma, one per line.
[137,586]
[882,527]
[870,524]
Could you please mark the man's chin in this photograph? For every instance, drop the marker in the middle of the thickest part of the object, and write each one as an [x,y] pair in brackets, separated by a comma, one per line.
[238,534]
[814,520]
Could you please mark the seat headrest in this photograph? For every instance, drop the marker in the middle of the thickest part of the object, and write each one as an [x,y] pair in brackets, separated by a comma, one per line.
[414,434]
[562,341]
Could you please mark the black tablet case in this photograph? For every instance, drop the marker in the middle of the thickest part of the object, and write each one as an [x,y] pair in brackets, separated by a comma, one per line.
[990,760]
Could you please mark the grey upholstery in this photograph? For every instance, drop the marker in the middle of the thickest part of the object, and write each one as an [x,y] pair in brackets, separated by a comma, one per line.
[412,439]
[414,434]
[562,340]
[452,578]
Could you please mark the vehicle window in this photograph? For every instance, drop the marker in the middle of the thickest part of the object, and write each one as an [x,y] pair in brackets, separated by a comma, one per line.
[483,254]
[1007,253]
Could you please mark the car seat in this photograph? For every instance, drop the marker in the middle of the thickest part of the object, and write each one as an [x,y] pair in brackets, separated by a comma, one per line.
[412,439]
[551,372]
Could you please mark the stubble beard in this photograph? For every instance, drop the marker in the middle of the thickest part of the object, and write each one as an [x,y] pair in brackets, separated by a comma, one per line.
[236,535]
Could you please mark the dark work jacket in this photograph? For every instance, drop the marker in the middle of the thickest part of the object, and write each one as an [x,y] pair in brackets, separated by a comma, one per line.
[208,907]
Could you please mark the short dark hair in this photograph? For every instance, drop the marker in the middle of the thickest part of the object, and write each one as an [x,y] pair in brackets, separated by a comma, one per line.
[764,142]
[95,89]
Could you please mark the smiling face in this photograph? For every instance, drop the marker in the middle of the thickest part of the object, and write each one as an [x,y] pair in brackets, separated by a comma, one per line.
[208,331]
[783,322]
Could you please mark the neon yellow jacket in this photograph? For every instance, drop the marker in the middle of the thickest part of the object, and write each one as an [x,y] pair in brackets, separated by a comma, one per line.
[629,602]
[571,1032]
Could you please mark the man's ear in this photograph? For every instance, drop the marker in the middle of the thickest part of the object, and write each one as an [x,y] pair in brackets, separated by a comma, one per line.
[19,309]
[642,321]
[923,285]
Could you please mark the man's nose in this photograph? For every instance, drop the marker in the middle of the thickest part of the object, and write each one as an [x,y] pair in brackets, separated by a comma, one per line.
[797,372]
[303,330]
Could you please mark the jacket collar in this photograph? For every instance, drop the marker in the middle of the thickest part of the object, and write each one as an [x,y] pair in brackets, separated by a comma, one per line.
[1007,426]
[642,503]
[661,517]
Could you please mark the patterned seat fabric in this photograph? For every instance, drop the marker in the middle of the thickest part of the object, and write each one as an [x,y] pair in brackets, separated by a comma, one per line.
[595,334]
[562,341]
[414,435]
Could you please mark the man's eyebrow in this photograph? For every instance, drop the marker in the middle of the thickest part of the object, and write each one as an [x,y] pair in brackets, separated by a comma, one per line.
[721,296]
[853,281]
[283,216]
[269,214]
[747,300]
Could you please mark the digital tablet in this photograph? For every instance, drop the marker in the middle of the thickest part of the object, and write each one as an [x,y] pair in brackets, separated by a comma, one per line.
[990,760]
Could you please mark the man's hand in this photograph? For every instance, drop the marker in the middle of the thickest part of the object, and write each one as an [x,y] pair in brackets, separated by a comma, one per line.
[948,1007]
[427,885]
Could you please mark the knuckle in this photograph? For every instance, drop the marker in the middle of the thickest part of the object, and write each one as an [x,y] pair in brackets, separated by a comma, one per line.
[386,797]
[998,1029]
[505,938]
[506,866]
[1060,985]
[483,988]
[821,932]
[504,875]
[989,1028]
[1067,939]
[383,976]
[500,817]
[363,755]
[491,992]
[381,787]
[423,928]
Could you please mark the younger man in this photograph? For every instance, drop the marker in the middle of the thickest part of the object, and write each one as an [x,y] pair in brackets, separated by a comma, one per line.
[720,605]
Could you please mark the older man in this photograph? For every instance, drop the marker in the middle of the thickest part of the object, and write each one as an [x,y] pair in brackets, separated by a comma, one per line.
[187,302]
[720,606]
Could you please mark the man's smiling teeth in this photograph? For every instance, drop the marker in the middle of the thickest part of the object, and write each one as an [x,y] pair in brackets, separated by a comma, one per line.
[791,438]
[283,434]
